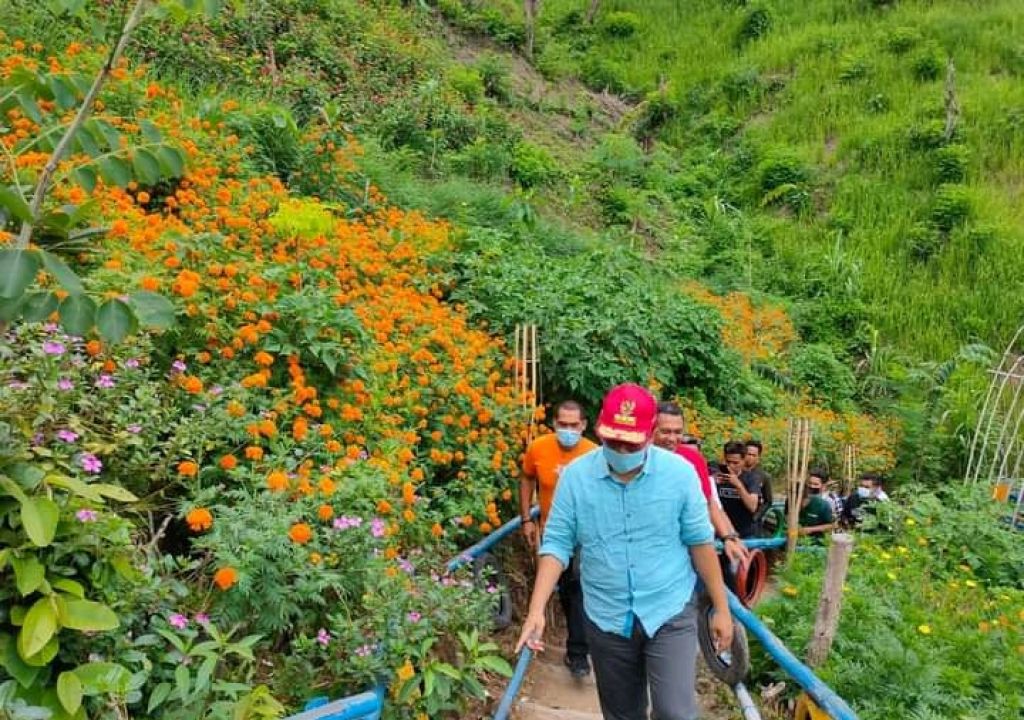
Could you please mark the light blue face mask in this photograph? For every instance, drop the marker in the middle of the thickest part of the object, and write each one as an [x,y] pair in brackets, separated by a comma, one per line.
[623,462]
[567,437]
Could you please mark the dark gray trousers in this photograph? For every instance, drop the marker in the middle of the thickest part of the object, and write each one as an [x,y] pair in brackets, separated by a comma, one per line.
[667,662]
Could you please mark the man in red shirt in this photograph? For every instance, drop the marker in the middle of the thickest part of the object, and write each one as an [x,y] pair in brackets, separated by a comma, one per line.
[668,434]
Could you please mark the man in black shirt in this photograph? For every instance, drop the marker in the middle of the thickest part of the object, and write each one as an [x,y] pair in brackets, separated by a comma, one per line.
[739,491]
[752,468]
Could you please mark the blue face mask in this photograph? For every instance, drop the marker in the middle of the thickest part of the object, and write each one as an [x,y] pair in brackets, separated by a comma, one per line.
[567,437]
[623,462]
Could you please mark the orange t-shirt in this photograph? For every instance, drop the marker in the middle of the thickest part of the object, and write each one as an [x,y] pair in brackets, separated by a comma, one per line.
[544,461]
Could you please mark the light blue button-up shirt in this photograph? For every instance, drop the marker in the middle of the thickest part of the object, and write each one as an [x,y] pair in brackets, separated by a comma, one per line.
[633,537]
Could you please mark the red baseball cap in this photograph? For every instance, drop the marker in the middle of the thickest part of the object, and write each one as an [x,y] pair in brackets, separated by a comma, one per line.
[628,413]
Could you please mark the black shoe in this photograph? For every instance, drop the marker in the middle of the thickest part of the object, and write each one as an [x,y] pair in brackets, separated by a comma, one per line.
[578,666]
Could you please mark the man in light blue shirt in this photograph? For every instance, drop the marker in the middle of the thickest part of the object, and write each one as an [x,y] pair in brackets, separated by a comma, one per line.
[638,516]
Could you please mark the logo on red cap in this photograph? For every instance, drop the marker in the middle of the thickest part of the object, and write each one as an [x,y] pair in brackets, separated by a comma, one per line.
[627,414]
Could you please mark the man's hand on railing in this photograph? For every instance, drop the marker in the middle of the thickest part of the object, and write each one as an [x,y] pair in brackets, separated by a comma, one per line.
[529,530]
[720,624]
[533,633]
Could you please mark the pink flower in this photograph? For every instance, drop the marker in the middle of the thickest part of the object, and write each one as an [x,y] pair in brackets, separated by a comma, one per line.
[413,617]
[364,650]
[68,436]
[323,637]
[105,381]
[202,618]
[51,347]
[177,620]
[377,527]
[90,463]
[86,516]
[65,384]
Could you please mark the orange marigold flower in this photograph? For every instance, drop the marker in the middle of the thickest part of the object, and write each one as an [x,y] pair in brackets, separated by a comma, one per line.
[408,515]
[204,357]
[408,493]
[485,527]
[436,530]
[188,468]
[325,512]
[225,577]
[93,348]
[300,428]
[390,553]
[268,428]
[254,380]
[383,507]
[277,481]
[333,446]
[467,520]
[326,486]
[300,533]
[199,520]
[229,462]
[236,409]
[150,283]
[192,384]
[254,452]
[263,358]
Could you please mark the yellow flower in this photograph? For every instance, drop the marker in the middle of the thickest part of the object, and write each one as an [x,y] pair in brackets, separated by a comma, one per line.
[789,590]
[406,671]
[924,629]
[970,583]
[886,556]
[910,521]
[922,541]
[891,575]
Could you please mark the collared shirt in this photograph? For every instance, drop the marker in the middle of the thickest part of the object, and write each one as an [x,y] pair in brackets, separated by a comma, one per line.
[700,464]
[633,537]
[544,461]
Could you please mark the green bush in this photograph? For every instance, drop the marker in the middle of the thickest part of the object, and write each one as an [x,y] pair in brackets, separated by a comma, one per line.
[816,368]
[756,24]
[950,163]
[620,24]
[275,139]
[901,40]
[483,160]
[467,82]
[532,166]
[599,73]
[951,207]
[852,69]
[783,179]
[495,75]
[927,65]
[923,242]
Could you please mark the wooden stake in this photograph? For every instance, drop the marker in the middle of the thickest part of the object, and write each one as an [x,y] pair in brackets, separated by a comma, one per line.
[797,465]
[831,601]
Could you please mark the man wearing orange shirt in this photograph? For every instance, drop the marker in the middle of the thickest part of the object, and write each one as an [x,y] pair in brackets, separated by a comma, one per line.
[543,463]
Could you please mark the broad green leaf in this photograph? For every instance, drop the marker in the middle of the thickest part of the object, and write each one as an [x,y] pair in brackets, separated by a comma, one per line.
[109,134]
[146,167]
[38,306]
[63,274]
[5,555]
[29,574]
[18,613]
[172,162]
[17,668]
[69,690]
[87,143]
[18,269]
[87,616]
[29,105]
[160,693]
[115,171]
[77,314]
[86,177]
[44,656]
[40,625]
[39,516]
[152,310]
[10,308]
[63,92]
[72,587]
[74,485]
[150,132]
[15,204]
[496,664]
[101,678]
[114,492]
[182,681]
[115,320]
[13,489]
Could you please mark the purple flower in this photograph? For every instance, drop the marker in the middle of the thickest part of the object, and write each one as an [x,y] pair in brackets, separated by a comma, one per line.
[134,429]
[347,521]
[65,384]
[90,463]
[491,589]
[178,367]
[413,617]
[178,620]
[131,363]
[50,327]
[105,381]
[216,390]
[405,565]
[68,436]
[202,618]
[377,527]
[51,347]
[364,650]
[323,637]
[86,516]
[37,439]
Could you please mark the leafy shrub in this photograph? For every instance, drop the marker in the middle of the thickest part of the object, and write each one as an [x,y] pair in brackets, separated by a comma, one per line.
[743,86]
[852,69]
[618,158]
[950,163]
[599,73]
[467,82]
[274,136]
[782,179]
[620,24]
[928,135]
[532,166]
[901,40]
[878,104]
[923,242]
[483,160]
[951,206]
[816,368]
[756,23]
[927,65]
[495,75]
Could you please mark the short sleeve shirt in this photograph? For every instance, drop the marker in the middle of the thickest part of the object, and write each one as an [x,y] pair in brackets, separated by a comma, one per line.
[693,456]
[818,511]
[544,461]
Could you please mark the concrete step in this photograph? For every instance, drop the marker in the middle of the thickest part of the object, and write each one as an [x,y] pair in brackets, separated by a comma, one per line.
[532,711]
[553,692]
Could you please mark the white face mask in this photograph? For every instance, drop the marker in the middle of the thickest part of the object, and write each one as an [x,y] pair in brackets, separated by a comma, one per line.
[863,492]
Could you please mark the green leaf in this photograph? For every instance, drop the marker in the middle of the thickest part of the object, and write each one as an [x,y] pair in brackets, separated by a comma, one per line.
[110,136]
[40,625]
[77,314]
[152,310]
[172,162]
[10,308]
[150,132]
[18,269]
[61,272]
[38,306]
[114,492]
[44,656]
[103,678]
[63,92]
[493,663]
[75,486]
[15,204]
[146,167]
[88,616]
[69,690]
[72,587]
[29,574]
[29,105]
[160,693]
[87,143]
[115,171]
[39,516]
[115,320]
[13,489]
[183,682]
[17,668]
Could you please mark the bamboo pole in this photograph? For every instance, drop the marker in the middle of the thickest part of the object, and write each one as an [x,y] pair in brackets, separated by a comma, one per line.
[799,448]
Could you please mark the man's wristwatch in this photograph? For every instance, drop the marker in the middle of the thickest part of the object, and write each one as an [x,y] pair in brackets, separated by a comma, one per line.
[731,536]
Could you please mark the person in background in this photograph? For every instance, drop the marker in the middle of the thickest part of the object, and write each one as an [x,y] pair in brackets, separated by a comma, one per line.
[871,488]
[816,516]
[669,435]
[828,493]
[859,503]
[752,450]
[739,492]
[543,463]
[637,514]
